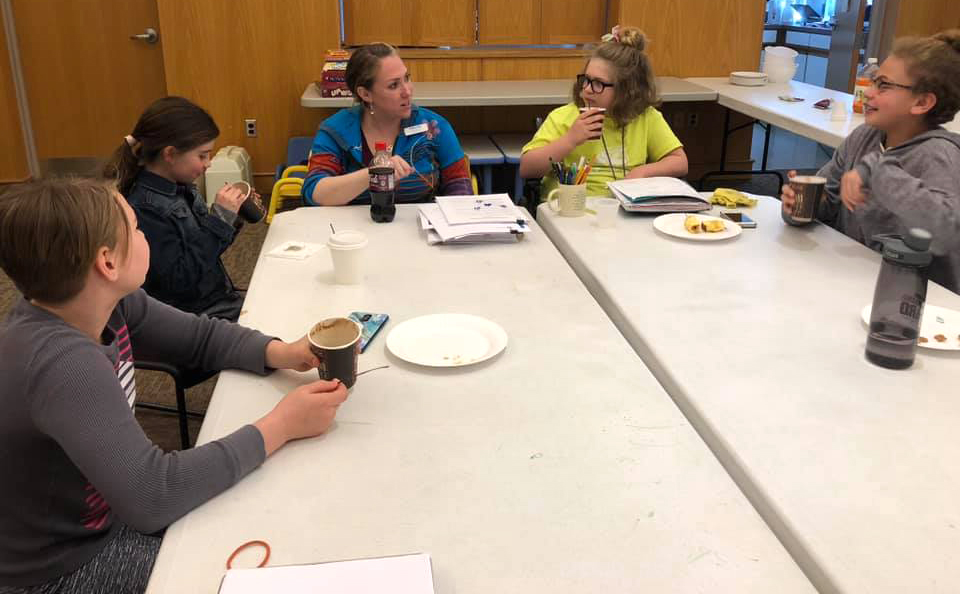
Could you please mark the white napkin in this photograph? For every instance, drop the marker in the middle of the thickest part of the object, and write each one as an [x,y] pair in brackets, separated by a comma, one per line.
[295,250]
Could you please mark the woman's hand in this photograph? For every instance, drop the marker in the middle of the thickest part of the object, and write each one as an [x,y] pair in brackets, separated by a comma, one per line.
[401,168]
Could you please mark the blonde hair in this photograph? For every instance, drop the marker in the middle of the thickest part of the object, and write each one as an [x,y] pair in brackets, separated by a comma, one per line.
[934,63]
[635,87]
[52,230]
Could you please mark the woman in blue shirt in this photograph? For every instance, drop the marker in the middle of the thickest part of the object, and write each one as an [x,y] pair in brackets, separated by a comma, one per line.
[426,155]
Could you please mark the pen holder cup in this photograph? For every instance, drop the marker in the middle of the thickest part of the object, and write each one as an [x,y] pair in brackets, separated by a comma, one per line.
[570,200]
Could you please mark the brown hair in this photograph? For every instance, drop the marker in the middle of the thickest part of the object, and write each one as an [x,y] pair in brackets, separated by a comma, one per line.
[52,230]
[364,64]
[635,87]
[170,121]
[934,63]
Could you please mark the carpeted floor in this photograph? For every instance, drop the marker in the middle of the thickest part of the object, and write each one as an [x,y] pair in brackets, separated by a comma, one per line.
[162,428]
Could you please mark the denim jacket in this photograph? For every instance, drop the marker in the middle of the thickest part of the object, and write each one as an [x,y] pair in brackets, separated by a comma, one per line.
[186,242]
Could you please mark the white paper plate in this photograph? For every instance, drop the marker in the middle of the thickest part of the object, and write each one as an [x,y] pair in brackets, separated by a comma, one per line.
[446,340]
[672,224]
[936,320]
[748,79]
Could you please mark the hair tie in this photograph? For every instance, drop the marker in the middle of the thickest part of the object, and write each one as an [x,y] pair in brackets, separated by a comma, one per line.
[613,35]
[133,143]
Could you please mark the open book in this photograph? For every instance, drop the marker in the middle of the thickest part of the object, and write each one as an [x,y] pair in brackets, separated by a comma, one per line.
[658,194]
[404,574]
[472,219]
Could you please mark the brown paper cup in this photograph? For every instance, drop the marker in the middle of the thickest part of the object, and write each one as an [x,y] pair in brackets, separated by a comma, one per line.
[808,190]
[334,342]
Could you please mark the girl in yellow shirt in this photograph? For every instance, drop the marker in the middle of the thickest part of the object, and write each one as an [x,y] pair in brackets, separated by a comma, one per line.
[612,122]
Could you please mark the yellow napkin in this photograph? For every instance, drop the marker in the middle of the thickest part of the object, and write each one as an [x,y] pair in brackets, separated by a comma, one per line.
[731,198]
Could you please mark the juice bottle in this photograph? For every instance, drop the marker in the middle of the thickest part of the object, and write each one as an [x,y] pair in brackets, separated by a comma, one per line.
[863,82]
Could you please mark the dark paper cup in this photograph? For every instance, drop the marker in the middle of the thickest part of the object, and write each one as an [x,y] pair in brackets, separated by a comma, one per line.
[808,190]
[252,210]
[334,342]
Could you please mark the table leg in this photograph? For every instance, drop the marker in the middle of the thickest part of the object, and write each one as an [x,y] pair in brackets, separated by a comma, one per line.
[726,135]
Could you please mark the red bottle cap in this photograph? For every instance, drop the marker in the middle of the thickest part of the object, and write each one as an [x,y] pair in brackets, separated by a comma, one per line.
[380,146]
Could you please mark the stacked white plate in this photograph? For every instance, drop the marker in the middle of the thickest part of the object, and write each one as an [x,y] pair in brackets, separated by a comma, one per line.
[748,79]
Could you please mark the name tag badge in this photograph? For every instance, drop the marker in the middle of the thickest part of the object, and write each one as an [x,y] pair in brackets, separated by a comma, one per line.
[418,129]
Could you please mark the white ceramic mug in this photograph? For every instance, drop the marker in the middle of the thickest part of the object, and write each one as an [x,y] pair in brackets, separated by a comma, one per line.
[571,200]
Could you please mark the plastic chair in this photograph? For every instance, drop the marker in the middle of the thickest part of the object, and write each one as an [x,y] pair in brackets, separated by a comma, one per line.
[756,182]
[181,382]
[288,182]
[482,153]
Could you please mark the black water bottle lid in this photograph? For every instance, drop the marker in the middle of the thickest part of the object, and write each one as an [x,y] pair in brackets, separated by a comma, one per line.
[910,250]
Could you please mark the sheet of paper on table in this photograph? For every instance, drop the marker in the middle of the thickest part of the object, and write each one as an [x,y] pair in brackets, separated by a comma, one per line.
[403,574]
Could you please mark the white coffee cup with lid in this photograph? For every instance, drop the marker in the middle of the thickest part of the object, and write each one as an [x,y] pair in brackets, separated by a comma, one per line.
[347,248]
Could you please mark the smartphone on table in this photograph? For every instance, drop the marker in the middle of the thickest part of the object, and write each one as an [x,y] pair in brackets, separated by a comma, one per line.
[370,324]
[739,218]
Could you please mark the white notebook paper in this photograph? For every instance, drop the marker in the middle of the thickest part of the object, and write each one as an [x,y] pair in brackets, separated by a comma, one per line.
[403,574]
[657,194]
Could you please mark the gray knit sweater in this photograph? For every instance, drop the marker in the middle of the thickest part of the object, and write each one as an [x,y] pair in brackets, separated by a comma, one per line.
[73,459]
[916,184]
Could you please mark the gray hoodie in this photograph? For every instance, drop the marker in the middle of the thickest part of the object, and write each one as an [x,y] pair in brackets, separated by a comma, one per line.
[916,184]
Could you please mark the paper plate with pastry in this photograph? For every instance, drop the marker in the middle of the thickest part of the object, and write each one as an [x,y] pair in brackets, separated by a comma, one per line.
[939,327]
[695,227]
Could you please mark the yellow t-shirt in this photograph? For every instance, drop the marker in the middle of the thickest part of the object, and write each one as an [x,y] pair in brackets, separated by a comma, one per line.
[646,139]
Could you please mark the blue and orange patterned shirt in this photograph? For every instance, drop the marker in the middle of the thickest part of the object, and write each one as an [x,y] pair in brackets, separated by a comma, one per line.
[432,150]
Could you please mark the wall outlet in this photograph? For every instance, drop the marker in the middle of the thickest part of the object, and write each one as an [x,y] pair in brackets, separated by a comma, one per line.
[676,121]
[251,126]
[693,119]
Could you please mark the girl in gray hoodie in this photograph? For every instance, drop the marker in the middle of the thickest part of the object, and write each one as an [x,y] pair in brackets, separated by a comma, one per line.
[901,169]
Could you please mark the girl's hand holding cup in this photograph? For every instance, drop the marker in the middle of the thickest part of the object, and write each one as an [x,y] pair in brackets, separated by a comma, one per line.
[230,197]
[589,126]
[787,196]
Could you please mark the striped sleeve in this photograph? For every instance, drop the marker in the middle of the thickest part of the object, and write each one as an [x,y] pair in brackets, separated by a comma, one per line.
[455,179]
[325,161]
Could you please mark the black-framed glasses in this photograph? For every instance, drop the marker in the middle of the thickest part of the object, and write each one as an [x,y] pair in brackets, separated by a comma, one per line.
[881,84]
[597,86]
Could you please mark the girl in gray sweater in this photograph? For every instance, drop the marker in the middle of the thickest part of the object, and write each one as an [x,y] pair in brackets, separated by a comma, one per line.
[83,487]
[901,169]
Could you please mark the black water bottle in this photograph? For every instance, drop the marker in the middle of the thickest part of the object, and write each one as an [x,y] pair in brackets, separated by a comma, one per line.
[382,208]
[898,299]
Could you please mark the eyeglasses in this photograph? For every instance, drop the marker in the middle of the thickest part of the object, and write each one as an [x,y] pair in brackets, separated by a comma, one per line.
[597,86]
[883,85]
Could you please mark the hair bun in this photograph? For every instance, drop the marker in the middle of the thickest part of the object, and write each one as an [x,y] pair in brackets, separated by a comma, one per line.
[633,37]
[951,37]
